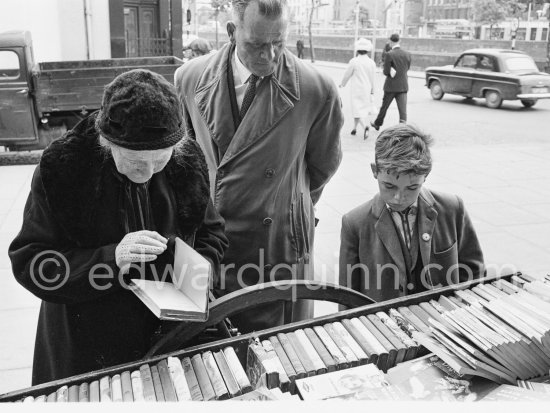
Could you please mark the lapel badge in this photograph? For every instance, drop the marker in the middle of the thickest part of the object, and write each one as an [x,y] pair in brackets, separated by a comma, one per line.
[426,237]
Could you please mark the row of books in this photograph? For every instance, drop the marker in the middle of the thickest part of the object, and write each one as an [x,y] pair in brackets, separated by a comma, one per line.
[500,331]
[208,376]
[376,338]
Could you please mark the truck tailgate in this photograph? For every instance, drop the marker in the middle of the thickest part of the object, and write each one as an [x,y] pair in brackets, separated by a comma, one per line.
[78,85]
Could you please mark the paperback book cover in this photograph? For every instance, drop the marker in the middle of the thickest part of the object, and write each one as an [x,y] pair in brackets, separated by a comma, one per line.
[341,383]
[184,299]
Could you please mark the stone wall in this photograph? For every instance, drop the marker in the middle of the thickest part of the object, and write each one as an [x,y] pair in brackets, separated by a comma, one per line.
[425,52]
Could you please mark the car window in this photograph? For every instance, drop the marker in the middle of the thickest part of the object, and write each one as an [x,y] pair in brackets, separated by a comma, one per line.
[9,65]
[520,64]
[468,61]
[486,63]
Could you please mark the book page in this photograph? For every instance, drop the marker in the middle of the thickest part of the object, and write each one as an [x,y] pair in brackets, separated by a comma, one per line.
[191,274]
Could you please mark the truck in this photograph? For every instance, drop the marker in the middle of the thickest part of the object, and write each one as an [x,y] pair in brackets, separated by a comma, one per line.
[39,102]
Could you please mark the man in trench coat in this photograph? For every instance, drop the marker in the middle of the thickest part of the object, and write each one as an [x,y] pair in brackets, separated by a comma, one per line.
[269,165]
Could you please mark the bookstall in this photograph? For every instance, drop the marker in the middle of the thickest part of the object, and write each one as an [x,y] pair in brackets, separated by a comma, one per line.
[485,339]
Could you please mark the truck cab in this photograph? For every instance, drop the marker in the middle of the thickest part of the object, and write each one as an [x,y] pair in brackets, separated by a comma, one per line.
[18,115]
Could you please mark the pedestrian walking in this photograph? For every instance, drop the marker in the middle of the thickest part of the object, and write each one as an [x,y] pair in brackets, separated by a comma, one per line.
[300,48]
[360,74]
[396,66]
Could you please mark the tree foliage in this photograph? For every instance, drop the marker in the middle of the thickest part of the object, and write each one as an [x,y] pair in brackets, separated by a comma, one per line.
[492,12]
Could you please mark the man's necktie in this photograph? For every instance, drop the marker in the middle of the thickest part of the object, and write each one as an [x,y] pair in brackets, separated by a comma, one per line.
[248,95]
[406,227]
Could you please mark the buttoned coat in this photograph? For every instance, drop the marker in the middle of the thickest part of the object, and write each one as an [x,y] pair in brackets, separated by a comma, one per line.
[400,60]
[284,151]
[446,238]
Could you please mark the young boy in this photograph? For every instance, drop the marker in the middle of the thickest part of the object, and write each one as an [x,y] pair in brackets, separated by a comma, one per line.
[407,238]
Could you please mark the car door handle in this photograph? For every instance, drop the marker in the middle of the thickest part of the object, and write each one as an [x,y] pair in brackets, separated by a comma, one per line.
[23,91]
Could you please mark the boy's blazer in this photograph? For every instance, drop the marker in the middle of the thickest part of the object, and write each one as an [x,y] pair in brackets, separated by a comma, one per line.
[447,243]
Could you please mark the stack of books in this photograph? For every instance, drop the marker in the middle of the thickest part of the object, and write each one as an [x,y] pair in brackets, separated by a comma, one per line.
[499,331]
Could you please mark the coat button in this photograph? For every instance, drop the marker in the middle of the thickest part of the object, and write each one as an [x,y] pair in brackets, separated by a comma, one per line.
[426,237]
[268,221]
[269,173]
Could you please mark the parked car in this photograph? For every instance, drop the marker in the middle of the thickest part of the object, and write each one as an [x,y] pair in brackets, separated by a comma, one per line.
[493,74]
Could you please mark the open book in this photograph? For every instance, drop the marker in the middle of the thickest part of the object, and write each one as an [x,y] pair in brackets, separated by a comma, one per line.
[186,299]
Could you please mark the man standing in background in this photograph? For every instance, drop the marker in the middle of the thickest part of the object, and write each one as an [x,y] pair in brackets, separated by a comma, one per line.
[397,63]
[269,126]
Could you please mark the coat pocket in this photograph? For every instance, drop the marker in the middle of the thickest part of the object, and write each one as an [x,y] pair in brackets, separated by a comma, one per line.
[444,267]
[299,226]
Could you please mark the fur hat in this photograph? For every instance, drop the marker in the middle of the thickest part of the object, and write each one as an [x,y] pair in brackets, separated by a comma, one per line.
[395,37]
[140,111]
[363,44]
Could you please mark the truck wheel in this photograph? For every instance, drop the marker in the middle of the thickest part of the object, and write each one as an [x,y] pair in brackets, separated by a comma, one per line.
[436,90]
[493,99]
[528,103]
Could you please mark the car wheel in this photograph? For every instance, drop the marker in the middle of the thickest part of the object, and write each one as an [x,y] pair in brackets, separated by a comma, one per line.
[493,99]
[528,102]
[436,90]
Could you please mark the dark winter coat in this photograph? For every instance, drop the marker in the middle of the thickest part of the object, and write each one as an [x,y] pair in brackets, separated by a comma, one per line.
[74,215]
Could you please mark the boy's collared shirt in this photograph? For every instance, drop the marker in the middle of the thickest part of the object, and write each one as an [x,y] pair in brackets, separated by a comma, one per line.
[411,221]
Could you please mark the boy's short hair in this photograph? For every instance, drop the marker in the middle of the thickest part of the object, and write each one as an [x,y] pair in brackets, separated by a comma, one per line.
[403,149]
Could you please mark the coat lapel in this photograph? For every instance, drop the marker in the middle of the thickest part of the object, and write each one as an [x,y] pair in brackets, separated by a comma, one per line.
[213,99]
[427,216]
[274,98]
[386,232]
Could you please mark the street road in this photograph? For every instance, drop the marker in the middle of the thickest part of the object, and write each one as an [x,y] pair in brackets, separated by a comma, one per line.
[454,120]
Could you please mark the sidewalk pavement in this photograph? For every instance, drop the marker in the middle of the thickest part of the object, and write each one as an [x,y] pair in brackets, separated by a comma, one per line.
[506,194]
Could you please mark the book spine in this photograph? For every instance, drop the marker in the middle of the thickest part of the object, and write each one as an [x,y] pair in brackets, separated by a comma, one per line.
[84,393]
[292,356]
[399,348]
[116,388]
[30,399]
[52,397]
[362,356]
[62,394]
[237,369]
[137,385]
[202,376]
[320,367]
[191,378]
[259,369]
[166,382]
[337,355]
[126,381]
[302,354]
[148,388]
[157,385]
[285,361]
[105,389]
[215,376]
[342,345]
[230,381]
[94,391]
[402,322]
[40,399]
[362,337]
[414,320]
[324,354]
[410,344]
[73,394]
[178,379]
[386,352]
[284,380]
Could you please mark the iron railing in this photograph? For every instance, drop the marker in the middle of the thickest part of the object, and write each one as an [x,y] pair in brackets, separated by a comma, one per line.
[147,46]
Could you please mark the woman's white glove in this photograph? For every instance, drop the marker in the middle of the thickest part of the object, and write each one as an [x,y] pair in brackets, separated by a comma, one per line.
[139,246]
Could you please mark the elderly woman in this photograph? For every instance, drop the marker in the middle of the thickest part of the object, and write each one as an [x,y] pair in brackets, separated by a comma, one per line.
[104,201]
[360,71]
